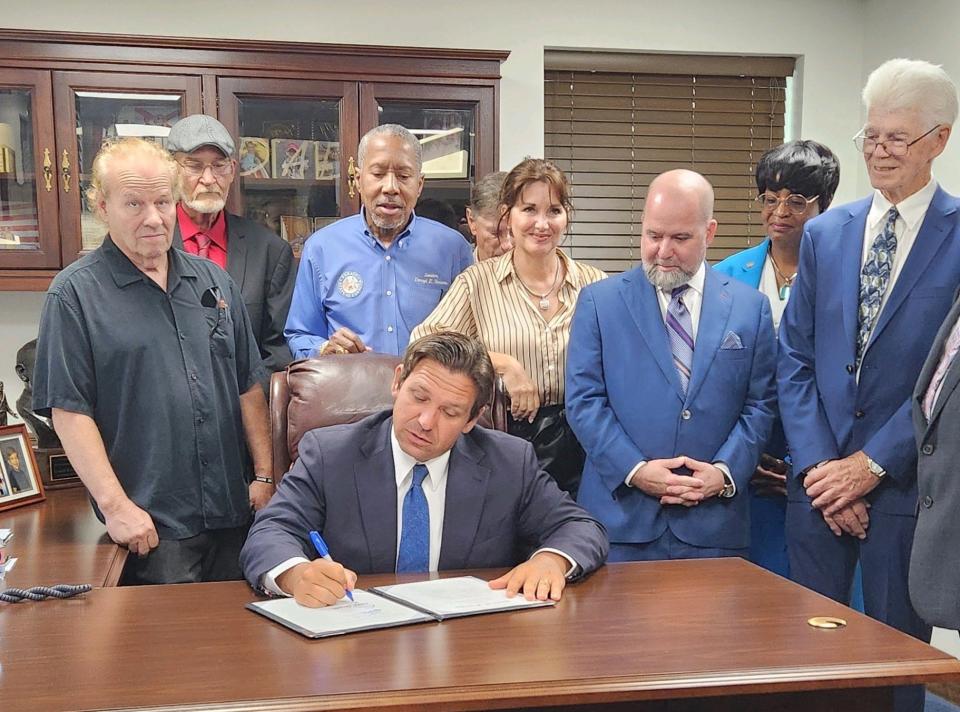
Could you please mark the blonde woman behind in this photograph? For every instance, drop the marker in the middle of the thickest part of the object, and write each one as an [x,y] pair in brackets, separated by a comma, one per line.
[520,306]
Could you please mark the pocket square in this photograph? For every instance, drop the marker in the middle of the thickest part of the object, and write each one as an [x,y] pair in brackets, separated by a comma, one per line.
[731,341]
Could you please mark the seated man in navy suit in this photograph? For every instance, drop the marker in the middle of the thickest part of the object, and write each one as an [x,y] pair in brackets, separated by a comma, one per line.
[670,388]
[421,489]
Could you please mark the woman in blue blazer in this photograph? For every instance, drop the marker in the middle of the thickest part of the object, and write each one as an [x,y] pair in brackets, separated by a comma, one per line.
[795,182]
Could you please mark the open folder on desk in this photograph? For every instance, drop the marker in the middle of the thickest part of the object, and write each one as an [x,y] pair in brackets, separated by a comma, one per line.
[389,606]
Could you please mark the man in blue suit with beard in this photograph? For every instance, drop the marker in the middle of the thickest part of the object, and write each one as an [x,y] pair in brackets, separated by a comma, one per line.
[876,279]
[670,388]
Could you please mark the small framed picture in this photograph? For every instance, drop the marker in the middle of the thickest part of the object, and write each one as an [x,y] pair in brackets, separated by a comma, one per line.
[19,477]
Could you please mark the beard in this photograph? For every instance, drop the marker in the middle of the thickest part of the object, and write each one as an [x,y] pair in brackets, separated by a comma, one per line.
[208,204]
[666,280]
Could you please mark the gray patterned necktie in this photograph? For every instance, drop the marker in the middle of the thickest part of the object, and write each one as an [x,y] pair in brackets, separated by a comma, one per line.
[875,278]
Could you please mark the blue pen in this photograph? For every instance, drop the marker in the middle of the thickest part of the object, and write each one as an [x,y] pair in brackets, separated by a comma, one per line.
[321,546]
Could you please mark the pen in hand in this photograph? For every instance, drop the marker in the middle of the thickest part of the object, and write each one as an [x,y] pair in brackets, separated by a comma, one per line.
[321,546]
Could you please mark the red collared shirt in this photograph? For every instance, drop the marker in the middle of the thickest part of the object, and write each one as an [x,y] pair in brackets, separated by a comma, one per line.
[217,252]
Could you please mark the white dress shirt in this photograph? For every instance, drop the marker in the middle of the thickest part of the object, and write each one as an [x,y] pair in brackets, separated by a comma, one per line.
[693,301]
[769,287]
[435,492]
[912,212]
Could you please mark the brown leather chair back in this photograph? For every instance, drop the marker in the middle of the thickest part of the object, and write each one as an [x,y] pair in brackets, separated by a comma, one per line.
[335,389]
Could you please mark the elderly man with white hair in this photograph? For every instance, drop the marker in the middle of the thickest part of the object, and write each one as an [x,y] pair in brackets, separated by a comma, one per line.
[876,278]
[366,281]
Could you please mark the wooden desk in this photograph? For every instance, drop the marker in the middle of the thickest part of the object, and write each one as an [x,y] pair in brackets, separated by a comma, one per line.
[690,635]
[60,540]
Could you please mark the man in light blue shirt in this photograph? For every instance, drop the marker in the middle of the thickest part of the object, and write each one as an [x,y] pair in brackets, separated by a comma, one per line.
[366,281]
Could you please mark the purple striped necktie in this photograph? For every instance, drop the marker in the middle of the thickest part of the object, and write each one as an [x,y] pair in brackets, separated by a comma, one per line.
[680,333]
[950,349]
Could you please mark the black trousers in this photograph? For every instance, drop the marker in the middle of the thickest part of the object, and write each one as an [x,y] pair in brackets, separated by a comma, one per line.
[557,448]
[213,555]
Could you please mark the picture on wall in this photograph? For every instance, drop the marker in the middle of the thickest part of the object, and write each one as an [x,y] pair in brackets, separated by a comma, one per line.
[293,158]
[328,159]
[19,477]
[254,157]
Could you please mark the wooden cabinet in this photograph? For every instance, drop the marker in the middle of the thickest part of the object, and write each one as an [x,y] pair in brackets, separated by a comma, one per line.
[297,111]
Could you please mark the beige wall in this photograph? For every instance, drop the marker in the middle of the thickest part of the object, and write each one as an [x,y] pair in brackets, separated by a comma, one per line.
[826,33]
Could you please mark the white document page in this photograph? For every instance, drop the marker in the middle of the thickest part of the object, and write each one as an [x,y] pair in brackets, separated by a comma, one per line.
[459,596]
[367,612]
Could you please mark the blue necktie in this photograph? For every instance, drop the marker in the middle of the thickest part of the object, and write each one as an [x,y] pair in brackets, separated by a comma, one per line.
[679,331]
[874,279]
[414,552]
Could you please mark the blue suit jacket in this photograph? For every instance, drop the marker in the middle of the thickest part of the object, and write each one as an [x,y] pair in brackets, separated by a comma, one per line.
[826,413]
[500,506]
[625,403]
[746,265]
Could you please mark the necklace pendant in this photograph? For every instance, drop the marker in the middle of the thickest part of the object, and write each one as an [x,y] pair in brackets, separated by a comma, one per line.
[784,292]
[544,304]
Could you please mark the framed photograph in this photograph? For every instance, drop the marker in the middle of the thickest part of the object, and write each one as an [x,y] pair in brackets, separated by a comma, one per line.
[328,159]
[19,477]
[295,229]
[254,157]
[442,155]
[293,158]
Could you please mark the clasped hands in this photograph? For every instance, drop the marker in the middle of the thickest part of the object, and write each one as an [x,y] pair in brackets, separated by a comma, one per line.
[322,583]
[837,488]
[343,341]
[657,479]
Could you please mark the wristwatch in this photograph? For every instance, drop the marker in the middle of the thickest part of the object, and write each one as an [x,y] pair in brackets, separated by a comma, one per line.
[875,468]
[728,487]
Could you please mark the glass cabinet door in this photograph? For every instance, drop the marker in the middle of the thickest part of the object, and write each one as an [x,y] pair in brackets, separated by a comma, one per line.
[93,108]
[28,191]
[450,123]
[290,144]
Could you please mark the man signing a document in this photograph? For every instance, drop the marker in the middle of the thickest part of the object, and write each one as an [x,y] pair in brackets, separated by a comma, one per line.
[421,489]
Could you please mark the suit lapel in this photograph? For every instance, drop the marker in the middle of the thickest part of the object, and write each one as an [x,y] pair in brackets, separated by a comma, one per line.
[377,497]
[952,377]
[715,310]
[466,493]
[851,256]
[644,308]
[933,231]
[236,252]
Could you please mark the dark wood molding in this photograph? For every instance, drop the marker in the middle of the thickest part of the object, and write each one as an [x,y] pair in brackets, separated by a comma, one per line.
[182,52]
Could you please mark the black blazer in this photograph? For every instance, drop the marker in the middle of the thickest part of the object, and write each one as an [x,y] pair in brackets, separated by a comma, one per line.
[261,264]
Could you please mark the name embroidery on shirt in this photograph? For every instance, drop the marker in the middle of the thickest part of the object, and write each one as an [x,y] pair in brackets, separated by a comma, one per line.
[350,284]
[431,279]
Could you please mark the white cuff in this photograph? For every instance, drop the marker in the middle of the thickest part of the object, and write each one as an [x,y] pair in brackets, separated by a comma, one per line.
[634,471]
[270,578]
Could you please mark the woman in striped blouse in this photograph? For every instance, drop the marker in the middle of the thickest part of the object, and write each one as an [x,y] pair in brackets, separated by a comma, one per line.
[520,306]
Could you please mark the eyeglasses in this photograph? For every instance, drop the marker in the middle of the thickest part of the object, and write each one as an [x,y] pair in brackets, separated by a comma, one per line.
[796,203]
[196,168]
[892,146]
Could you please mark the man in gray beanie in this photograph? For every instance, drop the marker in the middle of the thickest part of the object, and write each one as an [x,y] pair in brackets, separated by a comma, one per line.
[257,259]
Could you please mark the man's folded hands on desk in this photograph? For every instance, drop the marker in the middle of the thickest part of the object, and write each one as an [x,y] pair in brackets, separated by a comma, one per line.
[322,582]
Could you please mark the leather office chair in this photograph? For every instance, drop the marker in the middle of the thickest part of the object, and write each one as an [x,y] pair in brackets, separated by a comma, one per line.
[335,389]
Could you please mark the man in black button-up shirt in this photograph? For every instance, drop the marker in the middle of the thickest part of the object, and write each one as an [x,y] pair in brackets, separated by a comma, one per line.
[147,363]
